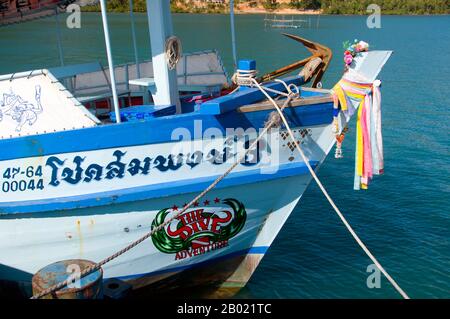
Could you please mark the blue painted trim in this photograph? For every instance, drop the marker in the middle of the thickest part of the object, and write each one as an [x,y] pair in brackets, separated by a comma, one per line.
[152,131]
[247,64]
[258,250]
[239,98]
[150,191]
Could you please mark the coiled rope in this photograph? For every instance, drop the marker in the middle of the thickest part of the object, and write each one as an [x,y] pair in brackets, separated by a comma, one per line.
[273,121]
[173,52]
[243,77]
[330,200]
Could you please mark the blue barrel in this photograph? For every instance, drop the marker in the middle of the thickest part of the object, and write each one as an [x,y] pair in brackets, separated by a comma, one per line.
[88,287]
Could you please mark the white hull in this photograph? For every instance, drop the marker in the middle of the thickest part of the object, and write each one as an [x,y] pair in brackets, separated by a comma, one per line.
[29,243]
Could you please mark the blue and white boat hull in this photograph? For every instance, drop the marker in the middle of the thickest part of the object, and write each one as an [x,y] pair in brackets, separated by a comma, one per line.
[77,216]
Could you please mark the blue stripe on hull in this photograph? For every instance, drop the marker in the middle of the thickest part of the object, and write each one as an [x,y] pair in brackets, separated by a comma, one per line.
[153,131]
[151,191]
[258,250]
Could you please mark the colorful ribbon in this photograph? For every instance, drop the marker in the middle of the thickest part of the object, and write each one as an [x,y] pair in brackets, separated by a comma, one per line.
[349,96]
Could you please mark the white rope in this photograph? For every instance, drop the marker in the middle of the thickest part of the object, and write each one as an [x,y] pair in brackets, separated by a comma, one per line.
[244,77]
[330,200]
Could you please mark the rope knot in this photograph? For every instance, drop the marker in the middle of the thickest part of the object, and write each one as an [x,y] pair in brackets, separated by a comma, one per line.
[244,77]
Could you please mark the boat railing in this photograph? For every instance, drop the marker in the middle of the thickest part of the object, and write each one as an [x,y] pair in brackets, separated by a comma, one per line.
[89,82]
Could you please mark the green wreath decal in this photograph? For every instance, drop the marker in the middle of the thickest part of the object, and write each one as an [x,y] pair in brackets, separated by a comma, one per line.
[171,245]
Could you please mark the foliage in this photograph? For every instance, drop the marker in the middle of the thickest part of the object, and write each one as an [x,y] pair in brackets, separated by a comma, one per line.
[119,6]
[305,4]
[327,6]
[387,6]
[270,4]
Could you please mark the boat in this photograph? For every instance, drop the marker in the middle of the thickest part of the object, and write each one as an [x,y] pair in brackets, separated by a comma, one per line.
[75,186]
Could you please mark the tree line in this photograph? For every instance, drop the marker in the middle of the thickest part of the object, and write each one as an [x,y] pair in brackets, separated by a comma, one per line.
[360,6]
[386,6]
[326,6]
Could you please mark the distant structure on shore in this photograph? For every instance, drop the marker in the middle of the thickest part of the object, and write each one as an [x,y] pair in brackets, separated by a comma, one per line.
[280,22]
[215,1]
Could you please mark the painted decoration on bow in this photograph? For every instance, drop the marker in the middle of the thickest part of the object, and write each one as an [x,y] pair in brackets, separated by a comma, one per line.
[200,229]
[20,110]
[36,103]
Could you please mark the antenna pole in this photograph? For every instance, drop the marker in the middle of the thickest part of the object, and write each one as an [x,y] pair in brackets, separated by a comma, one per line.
[58,34]
[233,33]
[110,60]
[133,34]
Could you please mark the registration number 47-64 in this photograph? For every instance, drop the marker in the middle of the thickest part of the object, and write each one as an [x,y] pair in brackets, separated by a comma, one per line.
[17,179]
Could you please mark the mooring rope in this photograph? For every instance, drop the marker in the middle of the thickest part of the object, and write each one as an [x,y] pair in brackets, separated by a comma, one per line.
[330,200]
[273,120]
